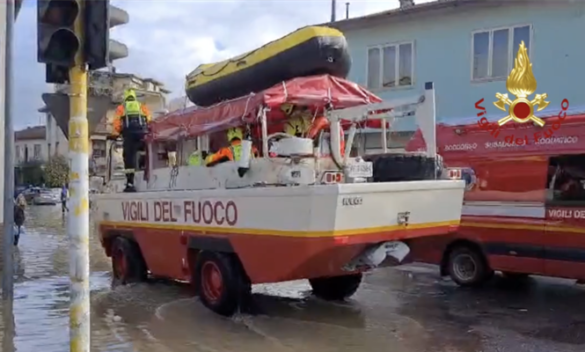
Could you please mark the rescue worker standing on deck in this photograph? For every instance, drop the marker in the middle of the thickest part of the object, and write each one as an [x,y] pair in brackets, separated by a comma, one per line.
[233,152]
[131,121]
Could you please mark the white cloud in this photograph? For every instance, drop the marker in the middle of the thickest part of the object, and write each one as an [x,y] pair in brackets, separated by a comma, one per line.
[168,38]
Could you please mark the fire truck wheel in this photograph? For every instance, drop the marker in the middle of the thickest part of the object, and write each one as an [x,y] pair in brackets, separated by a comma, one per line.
[220,282]
[128,266]
[336,288]
[468,267]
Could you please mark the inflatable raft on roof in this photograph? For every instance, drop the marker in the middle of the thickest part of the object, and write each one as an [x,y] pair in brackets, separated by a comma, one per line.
[305,52]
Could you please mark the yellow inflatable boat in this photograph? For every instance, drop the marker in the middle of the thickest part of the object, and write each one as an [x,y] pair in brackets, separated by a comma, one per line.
[307,51]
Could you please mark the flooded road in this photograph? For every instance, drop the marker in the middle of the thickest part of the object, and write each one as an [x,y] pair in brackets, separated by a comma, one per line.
[409,309]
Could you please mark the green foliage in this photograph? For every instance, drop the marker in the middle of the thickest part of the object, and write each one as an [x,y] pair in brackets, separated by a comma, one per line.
[56,171]
[30,173]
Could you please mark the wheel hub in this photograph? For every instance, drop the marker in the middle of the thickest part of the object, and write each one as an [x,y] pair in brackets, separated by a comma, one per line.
[212,281]
[464,267]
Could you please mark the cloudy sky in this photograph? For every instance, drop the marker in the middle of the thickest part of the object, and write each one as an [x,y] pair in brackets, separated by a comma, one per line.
[169,38]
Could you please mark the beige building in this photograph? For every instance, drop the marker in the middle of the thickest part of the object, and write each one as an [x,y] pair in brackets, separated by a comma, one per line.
[179,103]
[30,145]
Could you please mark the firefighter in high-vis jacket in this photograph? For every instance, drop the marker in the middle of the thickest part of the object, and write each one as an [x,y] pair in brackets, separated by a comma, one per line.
[196,158]
[297,126]
[131,122]
[305,127]
[233,152]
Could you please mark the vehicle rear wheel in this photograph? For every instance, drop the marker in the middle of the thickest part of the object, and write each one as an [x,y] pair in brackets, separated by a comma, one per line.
[220,282]
[336,288]
[468,267]
[128,265]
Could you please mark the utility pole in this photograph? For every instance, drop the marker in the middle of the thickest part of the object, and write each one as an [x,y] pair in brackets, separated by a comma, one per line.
[73,38]
[11,11]
[61,35]
[78,227]
[8,238]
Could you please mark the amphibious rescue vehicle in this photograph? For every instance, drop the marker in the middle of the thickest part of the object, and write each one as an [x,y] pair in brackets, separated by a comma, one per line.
[303,208]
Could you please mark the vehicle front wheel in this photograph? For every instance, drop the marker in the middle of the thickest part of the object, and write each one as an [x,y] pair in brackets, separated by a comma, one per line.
[336,288]
[220,282]
[468,267]
[128,265]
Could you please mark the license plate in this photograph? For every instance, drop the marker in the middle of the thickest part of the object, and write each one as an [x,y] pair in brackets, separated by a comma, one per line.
[362,169]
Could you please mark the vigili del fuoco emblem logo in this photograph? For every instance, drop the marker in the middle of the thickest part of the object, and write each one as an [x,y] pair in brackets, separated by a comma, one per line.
[521,83]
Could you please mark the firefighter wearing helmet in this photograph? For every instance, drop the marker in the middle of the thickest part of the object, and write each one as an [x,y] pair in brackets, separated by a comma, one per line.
[303,126]
[233,152]
[131,121]
[297,126]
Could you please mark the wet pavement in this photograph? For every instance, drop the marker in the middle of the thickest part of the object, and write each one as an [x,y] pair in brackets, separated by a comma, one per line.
[408,309]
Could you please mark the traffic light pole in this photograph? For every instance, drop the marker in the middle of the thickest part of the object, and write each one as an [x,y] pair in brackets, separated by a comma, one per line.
[78,225]
[8,211]
[8,238]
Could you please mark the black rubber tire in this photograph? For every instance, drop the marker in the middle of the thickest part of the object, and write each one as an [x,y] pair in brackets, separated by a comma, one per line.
[336,288]
[235,284]
[481,273]
[136,270]
[402,167]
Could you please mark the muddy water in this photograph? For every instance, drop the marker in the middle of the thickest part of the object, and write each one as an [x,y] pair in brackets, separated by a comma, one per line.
[398,310]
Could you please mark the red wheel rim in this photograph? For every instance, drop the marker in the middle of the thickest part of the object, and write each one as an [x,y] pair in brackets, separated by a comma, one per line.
[211,281]
[120,265]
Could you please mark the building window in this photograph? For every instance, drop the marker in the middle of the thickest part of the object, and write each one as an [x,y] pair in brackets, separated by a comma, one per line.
[56,148]
[493,51]
[37,151]
[99,149]
[17,153]
[390,66]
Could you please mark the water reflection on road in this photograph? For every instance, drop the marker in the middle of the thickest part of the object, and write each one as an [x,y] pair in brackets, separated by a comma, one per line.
[406,310]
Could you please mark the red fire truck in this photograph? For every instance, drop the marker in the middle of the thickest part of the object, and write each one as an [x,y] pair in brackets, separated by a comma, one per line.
[524,207]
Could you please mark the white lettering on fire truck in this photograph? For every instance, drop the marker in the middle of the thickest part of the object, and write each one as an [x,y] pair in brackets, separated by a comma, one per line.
[566,214]
[558,140]
[464,146]
[501,144]
[195,212]
[541,141]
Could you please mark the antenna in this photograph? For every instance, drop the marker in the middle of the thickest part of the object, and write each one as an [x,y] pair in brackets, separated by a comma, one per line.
[347,10]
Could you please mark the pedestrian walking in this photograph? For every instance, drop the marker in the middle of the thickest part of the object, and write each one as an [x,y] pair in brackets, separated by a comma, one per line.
[19,216]
[64,198]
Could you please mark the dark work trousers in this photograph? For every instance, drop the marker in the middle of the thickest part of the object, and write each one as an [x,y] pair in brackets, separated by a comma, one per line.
[19,218]
[132,144]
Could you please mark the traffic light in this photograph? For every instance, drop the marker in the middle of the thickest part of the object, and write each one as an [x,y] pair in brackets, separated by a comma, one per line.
[57,41]
[99,49]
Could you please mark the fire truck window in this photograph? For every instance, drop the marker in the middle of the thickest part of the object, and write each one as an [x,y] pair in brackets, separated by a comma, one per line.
[566,180]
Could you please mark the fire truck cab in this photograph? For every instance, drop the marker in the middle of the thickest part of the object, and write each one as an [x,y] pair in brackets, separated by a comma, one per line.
[524,205]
